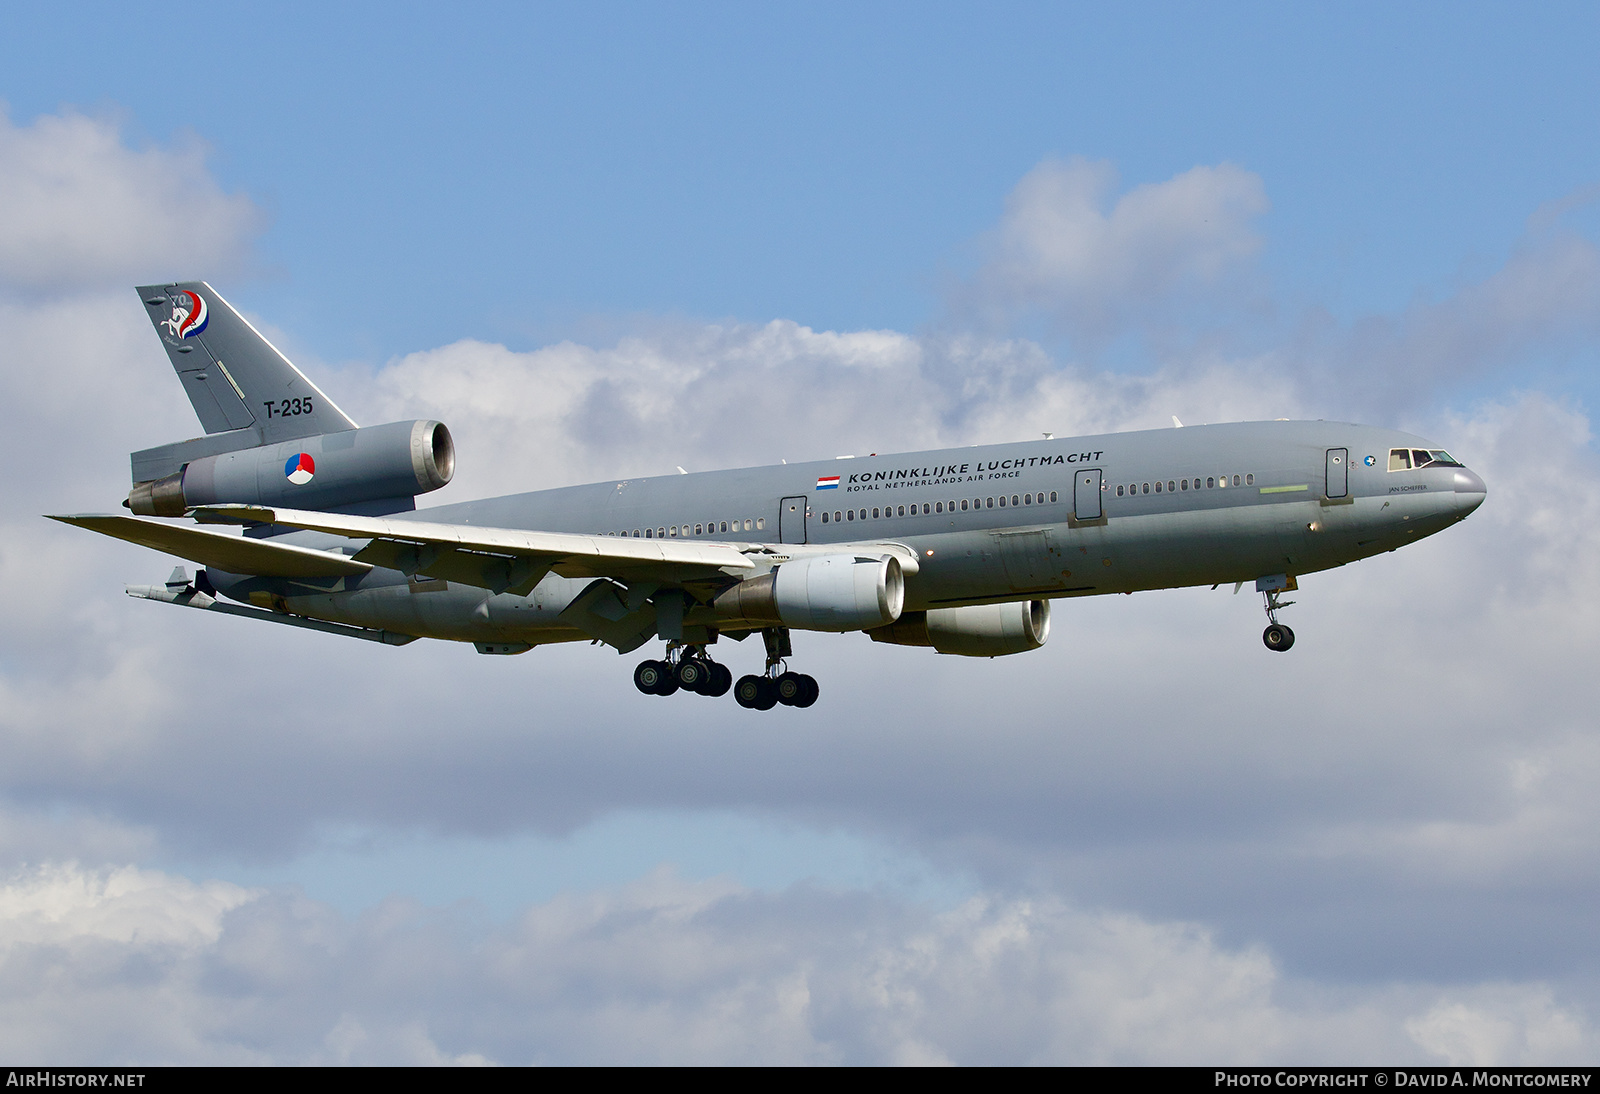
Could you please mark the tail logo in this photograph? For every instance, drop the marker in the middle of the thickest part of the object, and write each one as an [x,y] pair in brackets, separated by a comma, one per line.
[189,315]
[300,468]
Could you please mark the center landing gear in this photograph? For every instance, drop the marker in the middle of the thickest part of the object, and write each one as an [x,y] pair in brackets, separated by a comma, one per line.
[686,667]
[792,689]
[1276,637]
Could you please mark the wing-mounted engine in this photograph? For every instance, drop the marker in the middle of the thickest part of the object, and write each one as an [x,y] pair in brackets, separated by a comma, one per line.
[380,463]
[978,630]
[820,593]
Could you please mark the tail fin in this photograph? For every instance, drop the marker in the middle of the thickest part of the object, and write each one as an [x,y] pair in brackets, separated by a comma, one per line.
[235,378]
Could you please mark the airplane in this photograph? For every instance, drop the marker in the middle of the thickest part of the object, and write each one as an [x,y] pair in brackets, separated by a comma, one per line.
[960,550]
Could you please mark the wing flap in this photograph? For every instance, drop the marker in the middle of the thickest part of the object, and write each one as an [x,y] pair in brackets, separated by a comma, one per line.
[513,559]
[229,553]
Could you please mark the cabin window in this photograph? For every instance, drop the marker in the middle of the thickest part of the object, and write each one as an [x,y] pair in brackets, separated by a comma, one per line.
[1119,491]
[1183,484]
[1210,483]
[673,531]
[1002,501]
[647,534]
[963,505]
[874,514]
[938,507]
[1013,499]
[1236,480]
[824,518]
[1107,486]
[849,514]
[1158,488]
[902,511]
[1249,480]
[1027,499]
[699,528]
[1146,489]
[761,522]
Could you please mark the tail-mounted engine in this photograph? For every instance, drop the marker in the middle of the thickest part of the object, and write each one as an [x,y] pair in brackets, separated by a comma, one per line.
[377,463]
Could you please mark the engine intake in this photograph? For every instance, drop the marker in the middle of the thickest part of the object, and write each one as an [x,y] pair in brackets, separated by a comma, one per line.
[398,460]
[825,593]
[978,630]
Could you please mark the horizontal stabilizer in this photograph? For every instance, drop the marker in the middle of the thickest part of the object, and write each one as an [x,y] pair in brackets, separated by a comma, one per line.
[229,553]
[502,559]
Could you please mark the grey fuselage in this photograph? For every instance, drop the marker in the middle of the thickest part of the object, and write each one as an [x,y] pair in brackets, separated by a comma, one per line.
[1209,504]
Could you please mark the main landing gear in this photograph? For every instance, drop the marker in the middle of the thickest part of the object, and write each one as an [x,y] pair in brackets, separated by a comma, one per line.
[689,668]
[1277,637]
[776,684]
[686,667]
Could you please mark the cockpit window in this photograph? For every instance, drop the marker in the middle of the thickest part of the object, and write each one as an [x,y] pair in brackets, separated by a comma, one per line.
[1407,459]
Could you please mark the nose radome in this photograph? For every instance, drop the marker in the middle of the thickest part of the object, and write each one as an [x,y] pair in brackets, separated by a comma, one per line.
[1470,491]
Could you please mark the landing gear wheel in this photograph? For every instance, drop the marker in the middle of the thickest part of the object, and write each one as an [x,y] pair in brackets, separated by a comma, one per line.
[693,675]
[796,689]
[809,696]
[1278,638]
[755,693]
[650,675]
[719,683]
[791,689]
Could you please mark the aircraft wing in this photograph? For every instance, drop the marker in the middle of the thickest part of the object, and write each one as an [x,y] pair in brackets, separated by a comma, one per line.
[233,554]
[504,559]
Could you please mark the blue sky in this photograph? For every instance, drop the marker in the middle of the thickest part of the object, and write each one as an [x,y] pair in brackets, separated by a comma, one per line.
[623,239]
[522,171]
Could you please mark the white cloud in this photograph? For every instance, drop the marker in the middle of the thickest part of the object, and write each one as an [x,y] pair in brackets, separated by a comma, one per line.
[668,971]
[1061,251]
[79,207]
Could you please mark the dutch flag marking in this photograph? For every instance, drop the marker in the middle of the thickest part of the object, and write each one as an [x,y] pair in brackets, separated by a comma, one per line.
[827,482]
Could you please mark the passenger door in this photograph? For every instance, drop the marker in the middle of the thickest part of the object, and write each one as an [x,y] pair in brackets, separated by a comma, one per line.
[792,520]
[1338,473]
[1086,495]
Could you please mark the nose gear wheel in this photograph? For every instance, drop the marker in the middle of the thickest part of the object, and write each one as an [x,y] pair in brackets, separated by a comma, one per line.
[1277,637]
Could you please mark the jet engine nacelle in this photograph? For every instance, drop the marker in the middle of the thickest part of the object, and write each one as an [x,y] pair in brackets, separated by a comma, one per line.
[398,460]
[822,593]
[979,630]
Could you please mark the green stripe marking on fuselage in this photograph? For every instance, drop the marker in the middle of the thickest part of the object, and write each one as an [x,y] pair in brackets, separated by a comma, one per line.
[1283,489]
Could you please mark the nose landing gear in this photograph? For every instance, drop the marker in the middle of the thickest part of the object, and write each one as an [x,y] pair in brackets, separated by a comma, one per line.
[1277,637]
